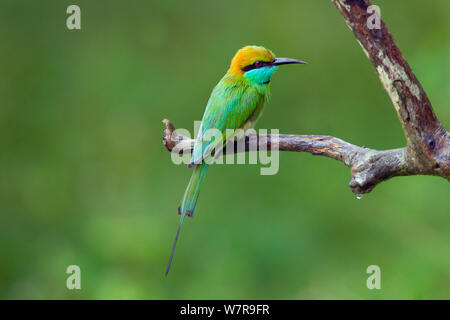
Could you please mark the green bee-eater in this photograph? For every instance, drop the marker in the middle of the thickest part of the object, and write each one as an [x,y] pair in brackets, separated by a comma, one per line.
[236,102]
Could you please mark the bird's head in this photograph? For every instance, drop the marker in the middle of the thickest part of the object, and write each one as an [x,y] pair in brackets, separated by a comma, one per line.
[257,64]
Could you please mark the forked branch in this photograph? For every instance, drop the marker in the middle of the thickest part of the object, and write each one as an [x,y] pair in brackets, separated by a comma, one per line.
[427,142]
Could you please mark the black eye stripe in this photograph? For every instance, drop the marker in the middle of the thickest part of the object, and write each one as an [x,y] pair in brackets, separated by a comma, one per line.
[254,66]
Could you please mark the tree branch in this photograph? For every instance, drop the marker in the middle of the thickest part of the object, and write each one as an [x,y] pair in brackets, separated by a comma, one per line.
[427,149]
[368,167]
[427,142]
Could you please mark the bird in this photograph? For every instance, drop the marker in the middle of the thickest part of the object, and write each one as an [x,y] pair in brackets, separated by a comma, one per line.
[236,102]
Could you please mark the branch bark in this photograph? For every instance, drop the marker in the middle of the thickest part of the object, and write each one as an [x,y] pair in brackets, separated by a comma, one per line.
[368,167]
[427,142]
[427,149]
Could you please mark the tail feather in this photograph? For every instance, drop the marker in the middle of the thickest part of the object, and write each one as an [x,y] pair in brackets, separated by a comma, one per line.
[174,244]
[189,202]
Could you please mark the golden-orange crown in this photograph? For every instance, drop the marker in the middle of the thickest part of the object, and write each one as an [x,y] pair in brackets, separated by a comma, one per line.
[247,56]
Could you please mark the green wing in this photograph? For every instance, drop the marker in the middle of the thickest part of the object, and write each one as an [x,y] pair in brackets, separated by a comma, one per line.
[231,104]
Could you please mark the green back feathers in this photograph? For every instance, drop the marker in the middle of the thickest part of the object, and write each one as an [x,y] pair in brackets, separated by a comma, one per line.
[232,103]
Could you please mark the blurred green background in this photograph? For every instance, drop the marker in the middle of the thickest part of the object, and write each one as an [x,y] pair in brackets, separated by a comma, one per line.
[85,179]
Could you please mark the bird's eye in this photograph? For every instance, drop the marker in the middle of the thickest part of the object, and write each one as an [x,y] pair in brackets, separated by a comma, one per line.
[255,65]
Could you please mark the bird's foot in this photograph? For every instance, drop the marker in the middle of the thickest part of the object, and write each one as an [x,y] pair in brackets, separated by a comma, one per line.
[189,213]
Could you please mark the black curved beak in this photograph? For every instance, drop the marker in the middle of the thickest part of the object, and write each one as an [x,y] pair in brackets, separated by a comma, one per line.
[280,61]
